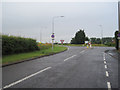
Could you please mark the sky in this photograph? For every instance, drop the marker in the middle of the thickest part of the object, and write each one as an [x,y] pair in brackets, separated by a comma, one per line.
[34,19]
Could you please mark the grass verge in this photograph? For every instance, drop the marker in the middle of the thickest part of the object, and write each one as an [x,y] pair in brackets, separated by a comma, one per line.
[23,56]
[97,45]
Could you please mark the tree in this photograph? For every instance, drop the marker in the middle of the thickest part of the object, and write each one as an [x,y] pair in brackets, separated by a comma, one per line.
[86,39]
[93,40]
[107,40]
[98,41]
[73,41]
[79,37]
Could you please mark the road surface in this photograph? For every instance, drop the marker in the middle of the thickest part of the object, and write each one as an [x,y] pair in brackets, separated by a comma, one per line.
[78,67]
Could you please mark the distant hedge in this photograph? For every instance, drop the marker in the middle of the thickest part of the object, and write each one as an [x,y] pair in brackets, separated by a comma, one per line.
[12,44]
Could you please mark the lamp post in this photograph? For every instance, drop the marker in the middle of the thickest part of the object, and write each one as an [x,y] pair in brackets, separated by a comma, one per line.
[40,36]
[53,29]
[101,33]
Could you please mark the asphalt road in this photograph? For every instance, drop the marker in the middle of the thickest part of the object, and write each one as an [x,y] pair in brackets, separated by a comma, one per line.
[77,67]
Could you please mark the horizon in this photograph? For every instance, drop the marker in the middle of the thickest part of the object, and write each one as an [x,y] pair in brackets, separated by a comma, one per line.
[23,19]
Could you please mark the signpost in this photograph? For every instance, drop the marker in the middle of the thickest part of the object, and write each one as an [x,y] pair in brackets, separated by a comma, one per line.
[62,41]
[86,42]
[52,36]
[119,35]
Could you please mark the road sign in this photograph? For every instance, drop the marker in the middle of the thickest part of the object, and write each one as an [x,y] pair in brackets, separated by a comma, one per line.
[52,35]
[118,34]
[62,41]
[86,42]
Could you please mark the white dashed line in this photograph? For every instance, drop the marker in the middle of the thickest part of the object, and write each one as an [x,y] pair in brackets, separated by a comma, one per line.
[104,56]
[107,74]
[105,66]
[108,85]
[27,77]
[104,62]
[68,48]
[69,57]
[110,53]
[82,51]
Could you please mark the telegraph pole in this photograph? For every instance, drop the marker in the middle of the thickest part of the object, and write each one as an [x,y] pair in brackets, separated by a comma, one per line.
[101,33]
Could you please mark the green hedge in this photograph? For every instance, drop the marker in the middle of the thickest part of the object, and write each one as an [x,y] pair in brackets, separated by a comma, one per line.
[12,44]
[110,44]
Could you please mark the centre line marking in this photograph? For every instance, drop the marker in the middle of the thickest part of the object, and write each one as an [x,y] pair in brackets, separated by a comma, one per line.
[105,66]
[68,48]
[82,51]
[69,57]
[107,74]
[27,77]
[108,85]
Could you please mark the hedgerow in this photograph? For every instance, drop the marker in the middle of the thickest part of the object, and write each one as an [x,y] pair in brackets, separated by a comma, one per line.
[13,44]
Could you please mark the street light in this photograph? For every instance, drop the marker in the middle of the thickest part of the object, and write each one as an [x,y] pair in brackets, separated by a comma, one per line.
[101,33]
[53,28]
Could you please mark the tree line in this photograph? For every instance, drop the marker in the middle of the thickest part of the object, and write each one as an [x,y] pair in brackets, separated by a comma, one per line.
[80,38]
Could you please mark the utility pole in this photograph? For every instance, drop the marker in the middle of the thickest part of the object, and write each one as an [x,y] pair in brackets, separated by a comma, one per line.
[40,36]
[101,33]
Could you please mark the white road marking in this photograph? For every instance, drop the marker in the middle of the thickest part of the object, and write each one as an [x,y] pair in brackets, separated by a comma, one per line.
[82,51]
[107,74]
[110,53]
[104,62]
[105,66]
[68,48]
[108,85]
[69,57]
[27,77]
[104,56]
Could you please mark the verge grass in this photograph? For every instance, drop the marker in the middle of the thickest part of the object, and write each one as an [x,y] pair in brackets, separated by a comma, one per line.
[23,56]
[97,45]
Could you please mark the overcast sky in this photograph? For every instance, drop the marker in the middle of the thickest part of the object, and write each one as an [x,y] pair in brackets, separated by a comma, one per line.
[28,19]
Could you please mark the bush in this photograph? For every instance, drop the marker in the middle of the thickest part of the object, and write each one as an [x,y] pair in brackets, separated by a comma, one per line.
[110,44]
[44,46]
[12,44]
